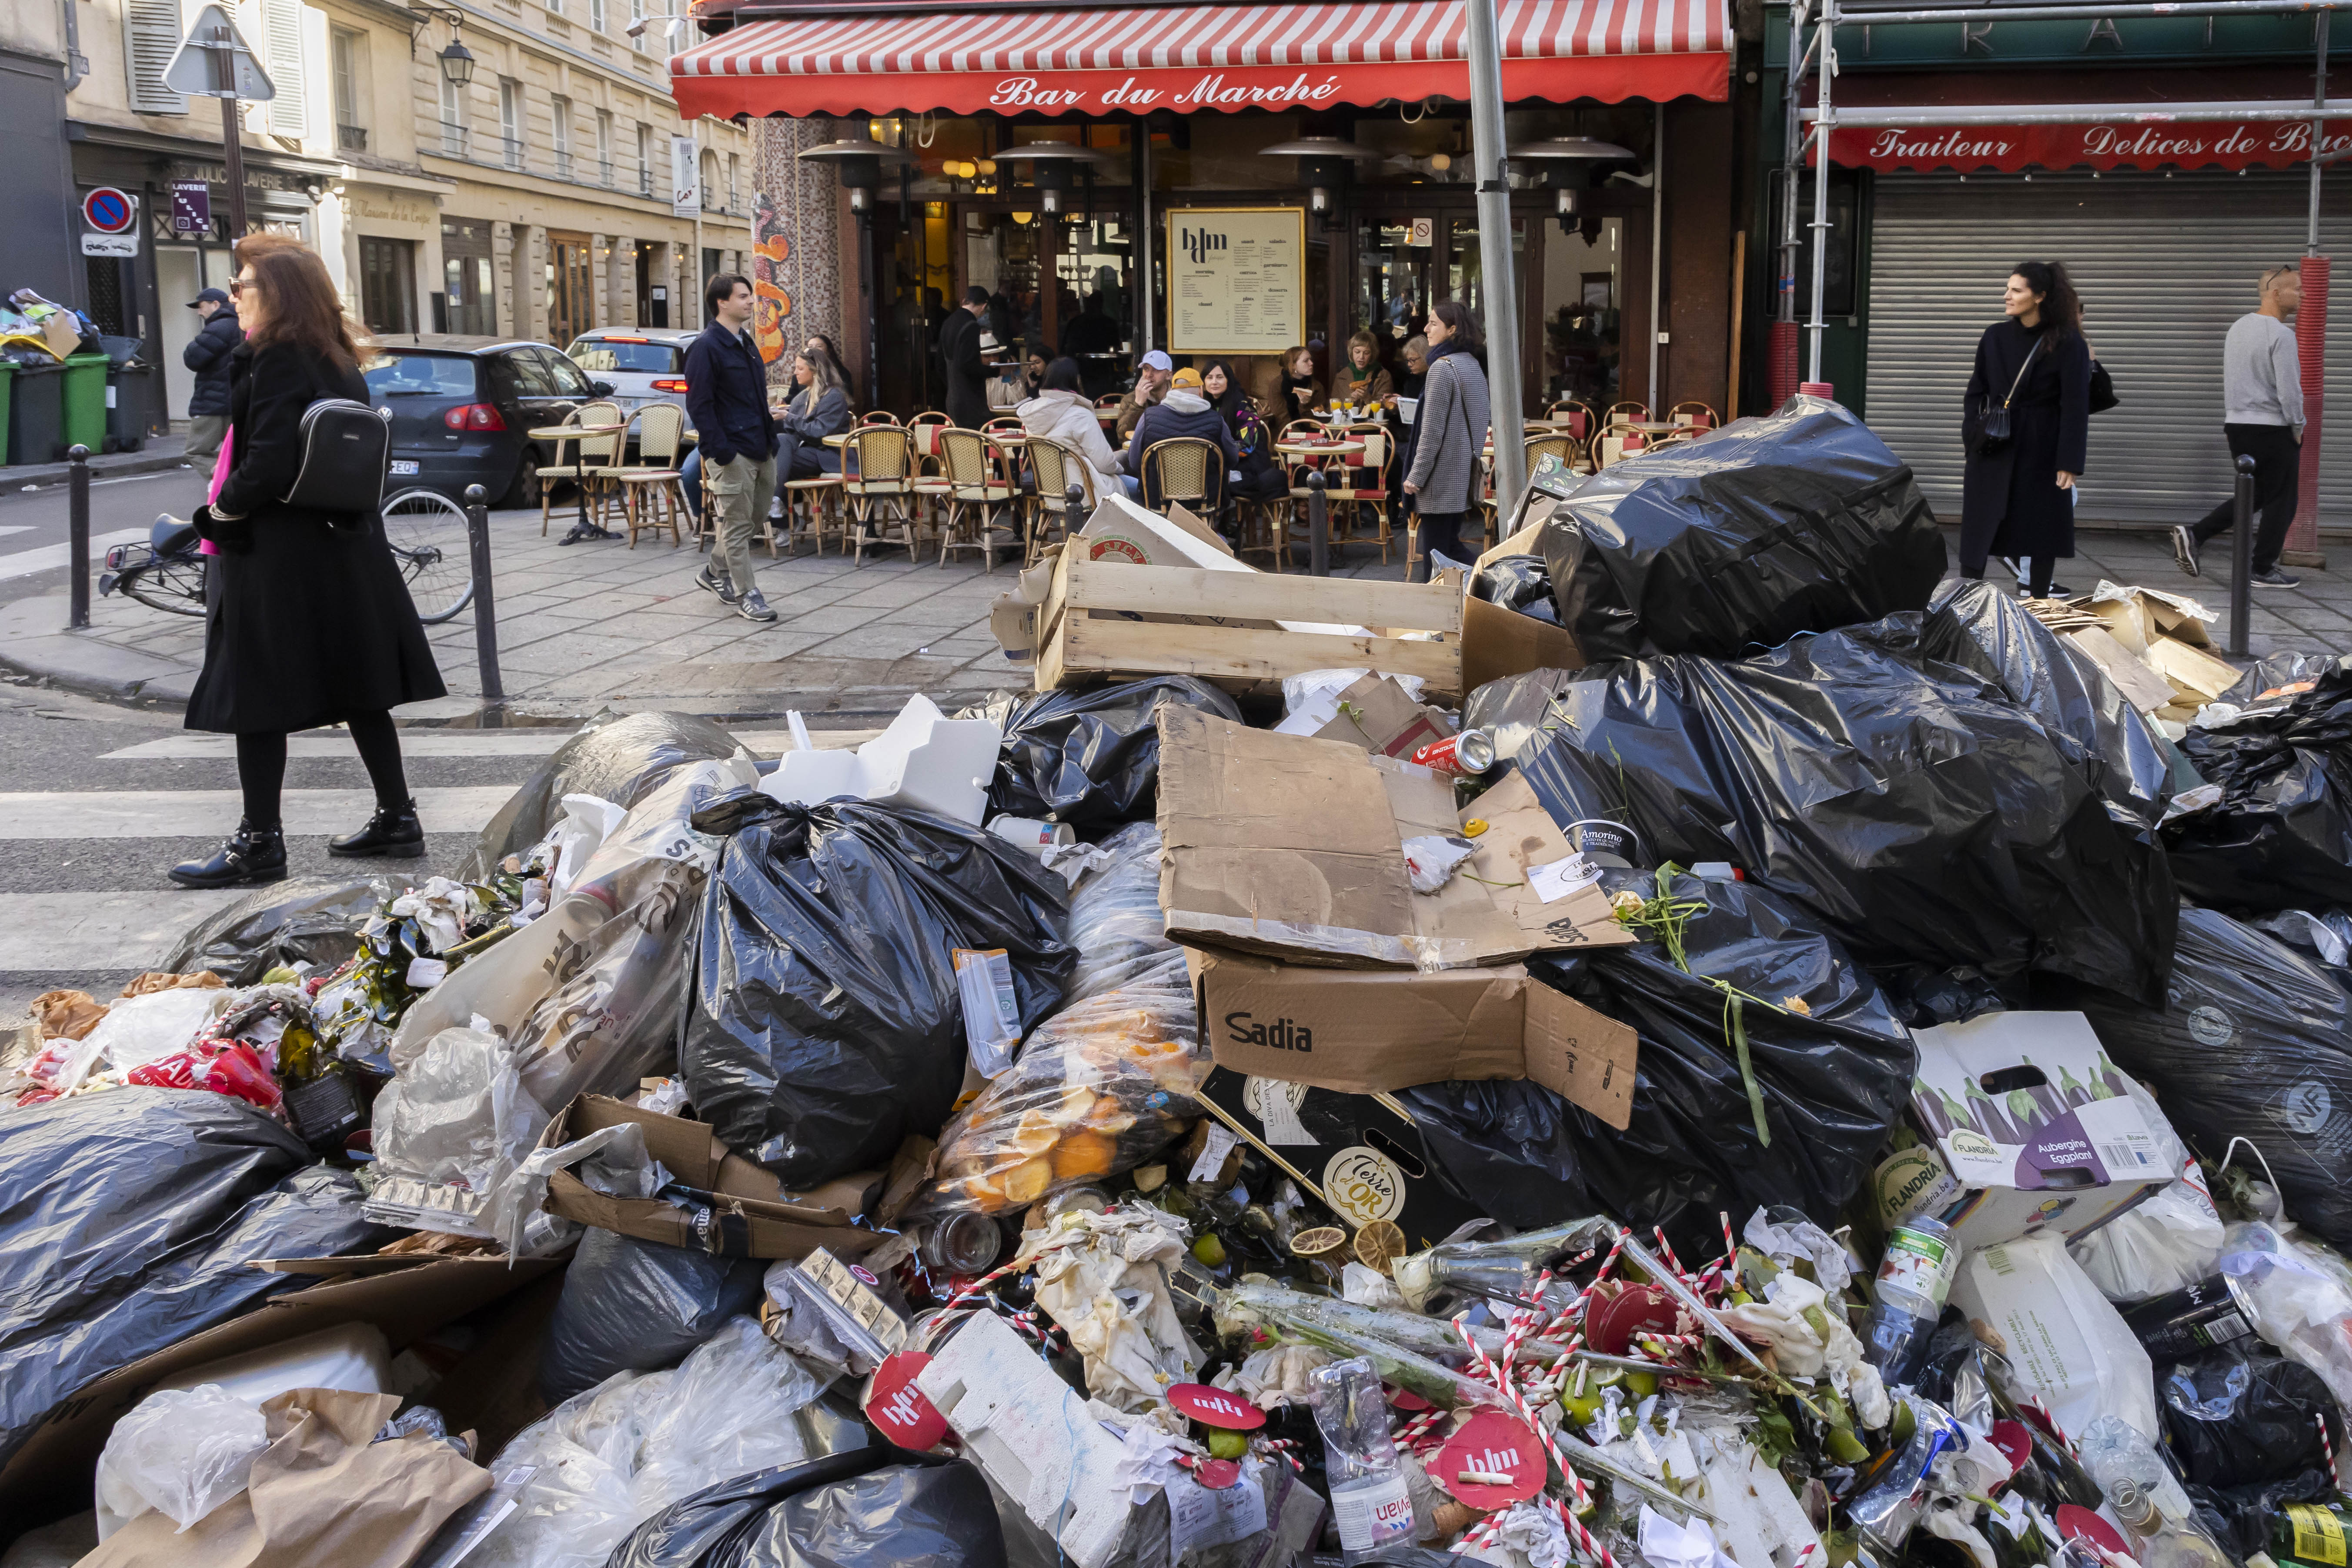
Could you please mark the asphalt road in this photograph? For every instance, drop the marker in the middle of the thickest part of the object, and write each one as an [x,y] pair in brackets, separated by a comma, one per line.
[35,530]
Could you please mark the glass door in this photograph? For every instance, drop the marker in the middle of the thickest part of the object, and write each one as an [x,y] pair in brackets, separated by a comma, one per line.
[1466,278]
[569,294]
[1393,274]
[1583,297]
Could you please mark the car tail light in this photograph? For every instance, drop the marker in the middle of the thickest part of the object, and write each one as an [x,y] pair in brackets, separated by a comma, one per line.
[617,338]
[669,384]
[474,416]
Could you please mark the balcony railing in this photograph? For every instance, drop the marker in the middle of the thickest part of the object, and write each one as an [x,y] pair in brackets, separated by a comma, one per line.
[645,179]
[563,165]
[512,146]
[350,139]
[604,171]
[454,140]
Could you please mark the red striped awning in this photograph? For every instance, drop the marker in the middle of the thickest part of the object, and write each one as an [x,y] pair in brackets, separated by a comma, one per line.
[1192,58]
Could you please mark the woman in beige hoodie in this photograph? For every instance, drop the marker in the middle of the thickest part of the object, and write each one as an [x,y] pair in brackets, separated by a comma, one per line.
[1063,413]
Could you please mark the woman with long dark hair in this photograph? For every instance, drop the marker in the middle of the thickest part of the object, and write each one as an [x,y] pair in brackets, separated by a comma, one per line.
[1259,479]
[2032,376]
[309,622]
[1449,433]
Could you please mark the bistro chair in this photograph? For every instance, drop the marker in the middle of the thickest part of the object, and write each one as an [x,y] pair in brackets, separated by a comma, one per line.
[650,496]
[1567,449]
[1185,468]
[1694,415]
[1004,424]
[813,509]
[596,454]
[881,495]
[1616,443]
[1626,413]
[979,486]
[1363,482]
[1578,417]
[880,416]
[1056,469]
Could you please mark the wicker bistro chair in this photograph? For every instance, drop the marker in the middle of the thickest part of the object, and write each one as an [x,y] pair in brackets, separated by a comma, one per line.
[813,508]
[980,488]
[650,496]
[1579,418]
[1188,469]
[1364,482]
[1056,469]
[1694,415]
[878,416]
[881,495]
[596,454]
[1616,443]
[1567,449]
[1626,413]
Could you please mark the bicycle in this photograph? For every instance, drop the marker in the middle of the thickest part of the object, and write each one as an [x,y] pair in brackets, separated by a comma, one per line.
[424,528]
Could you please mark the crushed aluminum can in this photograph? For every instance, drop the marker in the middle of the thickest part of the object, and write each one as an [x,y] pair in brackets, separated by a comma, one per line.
[1470,752]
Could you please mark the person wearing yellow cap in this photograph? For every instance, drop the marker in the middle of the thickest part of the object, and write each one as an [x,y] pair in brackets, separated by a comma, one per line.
[1184,412]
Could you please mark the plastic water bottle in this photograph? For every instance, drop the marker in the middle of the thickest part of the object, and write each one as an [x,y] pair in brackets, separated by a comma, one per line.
[1369,1495]
[1914,1279]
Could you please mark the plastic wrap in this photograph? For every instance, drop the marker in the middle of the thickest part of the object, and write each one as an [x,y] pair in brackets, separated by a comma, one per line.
[2165,1244]
[1916,815]
[1115,919]
[1981,627]
[449,1131]
[1099,1089]
[1799,521]
[619,757]
[827,1025]
[864,1509]
[630,1305]
[2280,836]
[2235,1417]
[355,1357]
[2253,1040]
[1088,758]
[1835,1079]
[181,1452]
[311,920]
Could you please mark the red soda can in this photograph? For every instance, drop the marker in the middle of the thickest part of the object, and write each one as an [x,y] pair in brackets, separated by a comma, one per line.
[1461,755]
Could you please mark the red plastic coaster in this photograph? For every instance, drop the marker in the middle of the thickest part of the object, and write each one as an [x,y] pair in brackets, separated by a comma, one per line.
[2074,1519]
[898,1407]
[1491,1443]
[1212,1406]
[2015,1443]
[1219,1474]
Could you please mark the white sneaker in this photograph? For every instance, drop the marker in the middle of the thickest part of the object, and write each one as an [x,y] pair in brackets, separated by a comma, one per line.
[2184,550]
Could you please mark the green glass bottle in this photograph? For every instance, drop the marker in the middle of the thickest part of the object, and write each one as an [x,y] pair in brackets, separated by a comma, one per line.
[2311,1533]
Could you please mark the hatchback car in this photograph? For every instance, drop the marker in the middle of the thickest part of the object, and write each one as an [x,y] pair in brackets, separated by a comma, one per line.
[460,408]
[645,365]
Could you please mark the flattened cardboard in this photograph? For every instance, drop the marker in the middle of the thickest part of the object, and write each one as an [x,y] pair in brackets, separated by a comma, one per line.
[1373,1031]
[1497,643]
[1381,719]
[1521,834]
[759,1219]
[2142,686]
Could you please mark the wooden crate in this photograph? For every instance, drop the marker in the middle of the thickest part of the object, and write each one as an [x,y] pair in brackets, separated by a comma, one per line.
[1220,626]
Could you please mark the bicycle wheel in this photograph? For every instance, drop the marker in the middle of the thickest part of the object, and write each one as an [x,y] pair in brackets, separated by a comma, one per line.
[172,584]
[427,531]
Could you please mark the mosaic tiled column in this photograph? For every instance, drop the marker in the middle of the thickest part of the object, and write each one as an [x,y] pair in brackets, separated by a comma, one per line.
[797,270]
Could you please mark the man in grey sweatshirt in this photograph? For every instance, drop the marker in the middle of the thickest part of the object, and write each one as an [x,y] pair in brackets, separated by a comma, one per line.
[2261,391]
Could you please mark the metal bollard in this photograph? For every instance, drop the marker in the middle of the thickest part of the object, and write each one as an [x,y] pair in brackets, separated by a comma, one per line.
[1319,526]
[486,610]
[2241,556]
[1073,510]
[78,550]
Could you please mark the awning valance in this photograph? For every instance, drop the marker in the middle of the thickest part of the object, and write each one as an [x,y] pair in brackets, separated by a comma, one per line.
[1192,58]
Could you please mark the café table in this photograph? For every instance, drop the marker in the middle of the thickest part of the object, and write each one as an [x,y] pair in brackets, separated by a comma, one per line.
[577,435]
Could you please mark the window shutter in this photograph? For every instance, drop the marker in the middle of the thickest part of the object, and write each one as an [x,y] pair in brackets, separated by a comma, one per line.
[281,22]
[151,32]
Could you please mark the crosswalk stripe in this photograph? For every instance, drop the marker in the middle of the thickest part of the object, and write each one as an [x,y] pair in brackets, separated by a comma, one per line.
[213,813]
[48,557]
[100,932]
[16,528]
[527,743]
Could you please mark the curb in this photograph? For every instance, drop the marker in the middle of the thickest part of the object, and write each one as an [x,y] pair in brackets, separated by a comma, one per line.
[111,466]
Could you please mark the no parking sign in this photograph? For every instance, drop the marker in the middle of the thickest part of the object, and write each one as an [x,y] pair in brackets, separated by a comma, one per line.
[110,214]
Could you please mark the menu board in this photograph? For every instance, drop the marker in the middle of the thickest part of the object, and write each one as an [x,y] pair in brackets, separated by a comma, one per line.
[1236,280]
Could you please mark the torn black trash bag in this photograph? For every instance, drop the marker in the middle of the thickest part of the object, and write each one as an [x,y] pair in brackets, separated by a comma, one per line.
[1904,803]
[2254,1040]
[2280,836]
[311,920]
[875,1506]
[619,757]
[825,1022]
[1980,627]
[1089,758]
[1800,522]
[1521,583]
[632,1305]
[1835,1071]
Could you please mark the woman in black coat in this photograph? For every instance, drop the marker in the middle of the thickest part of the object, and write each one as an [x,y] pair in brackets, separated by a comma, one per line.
[2017,497]
[309,622]
[1260,479]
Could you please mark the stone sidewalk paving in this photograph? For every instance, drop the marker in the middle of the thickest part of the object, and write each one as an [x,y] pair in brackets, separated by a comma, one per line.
[596,625]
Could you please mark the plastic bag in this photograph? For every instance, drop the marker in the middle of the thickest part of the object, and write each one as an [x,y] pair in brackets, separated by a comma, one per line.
[2165,1244]
[1918,815]
[1834,1077]
[182,1453]
[1521,583]
[1799,521]
[827,1024]
[1099,1089]
[313,921]
[1981,627]
[2280,836]
[1115,919]
[1088,758]
[2323,934]
[449,1131]
[2253,1040]
[2065,1344]
[630,1305]
[867,1508]
[2297,1304]
[2234,1416]
[619,757]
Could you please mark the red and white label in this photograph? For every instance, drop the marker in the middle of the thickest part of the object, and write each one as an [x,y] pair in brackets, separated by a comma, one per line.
[1212,1406]
[1219,1474]
[1488,1446]
[899,1408]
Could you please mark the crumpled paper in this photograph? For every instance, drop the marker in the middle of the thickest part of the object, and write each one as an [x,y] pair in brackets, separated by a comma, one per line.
[1529,1535]
[1276,1376]
[1800,1350]
[1784,1244]
[1666,1545]
[441,909]
[1108,1292]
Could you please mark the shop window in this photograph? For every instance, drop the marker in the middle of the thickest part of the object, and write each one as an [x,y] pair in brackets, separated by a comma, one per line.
[1582,295]
[387,285]
[466,276]
[1839,295]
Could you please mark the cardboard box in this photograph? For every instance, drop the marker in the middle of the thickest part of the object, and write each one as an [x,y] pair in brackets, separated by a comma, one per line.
[1293,847]
[2038,1131]
[1497,643]
[1371,1031]
[406,1297]
[752,1214]
[1376,714]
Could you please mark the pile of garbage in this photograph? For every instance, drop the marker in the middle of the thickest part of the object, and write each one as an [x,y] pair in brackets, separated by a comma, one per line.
[1834,1078]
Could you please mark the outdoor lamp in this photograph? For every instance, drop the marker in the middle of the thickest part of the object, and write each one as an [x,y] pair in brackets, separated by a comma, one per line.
[858,162]
[1325,164]
[1051,163]
[1563,160]
[456,63]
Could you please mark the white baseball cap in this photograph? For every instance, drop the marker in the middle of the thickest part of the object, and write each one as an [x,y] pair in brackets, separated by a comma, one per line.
[1156,360]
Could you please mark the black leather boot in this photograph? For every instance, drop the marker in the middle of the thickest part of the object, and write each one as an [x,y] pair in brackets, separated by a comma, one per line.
[255,855]
[391,831]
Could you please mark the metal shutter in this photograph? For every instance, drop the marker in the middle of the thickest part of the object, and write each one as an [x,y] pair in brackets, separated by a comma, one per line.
[150,37]
[281,22]
[2163,266]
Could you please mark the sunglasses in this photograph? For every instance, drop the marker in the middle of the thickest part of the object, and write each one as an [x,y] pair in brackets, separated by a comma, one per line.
[237,286]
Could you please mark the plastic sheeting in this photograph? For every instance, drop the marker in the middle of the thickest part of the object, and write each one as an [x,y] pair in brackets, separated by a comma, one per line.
[1803,520]
[864,1509]
[1089,758]
[1116,922]
[826,1023]
[2255,1040]
[1521,583]
[630,1305]
[1914,813]
[311,920]
[1834,1078]
[617,757]
[2280,836]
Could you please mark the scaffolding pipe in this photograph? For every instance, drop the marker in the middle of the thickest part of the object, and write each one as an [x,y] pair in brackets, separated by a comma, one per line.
[2076,114]
[1827,123]
[2318,127]
[1781,365]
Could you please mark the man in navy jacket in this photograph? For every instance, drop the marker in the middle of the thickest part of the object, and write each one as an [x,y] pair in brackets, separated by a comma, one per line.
[727,400]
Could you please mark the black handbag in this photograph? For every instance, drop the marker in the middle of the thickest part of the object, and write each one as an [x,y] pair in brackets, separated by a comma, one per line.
[1993,431]
[346,452]
[2103,389]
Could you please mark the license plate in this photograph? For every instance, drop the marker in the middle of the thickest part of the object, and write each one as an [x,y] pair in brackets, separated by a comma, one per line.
[398,466]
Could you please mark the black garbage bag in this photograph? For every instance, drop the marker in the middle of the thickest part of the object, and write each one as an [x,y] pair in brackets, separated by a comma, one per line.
[2280,836]
[1800,522]
[1088,758]
[866,1508]
[2278,677]
[2253,1040]
[2234,1416]
[619,757]
[1906,807]
[827,1024]
[130,1218]
[2324,935]
[630,1305]
[1980,627]
[1521,583]
[312,920]
[1835,1079]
